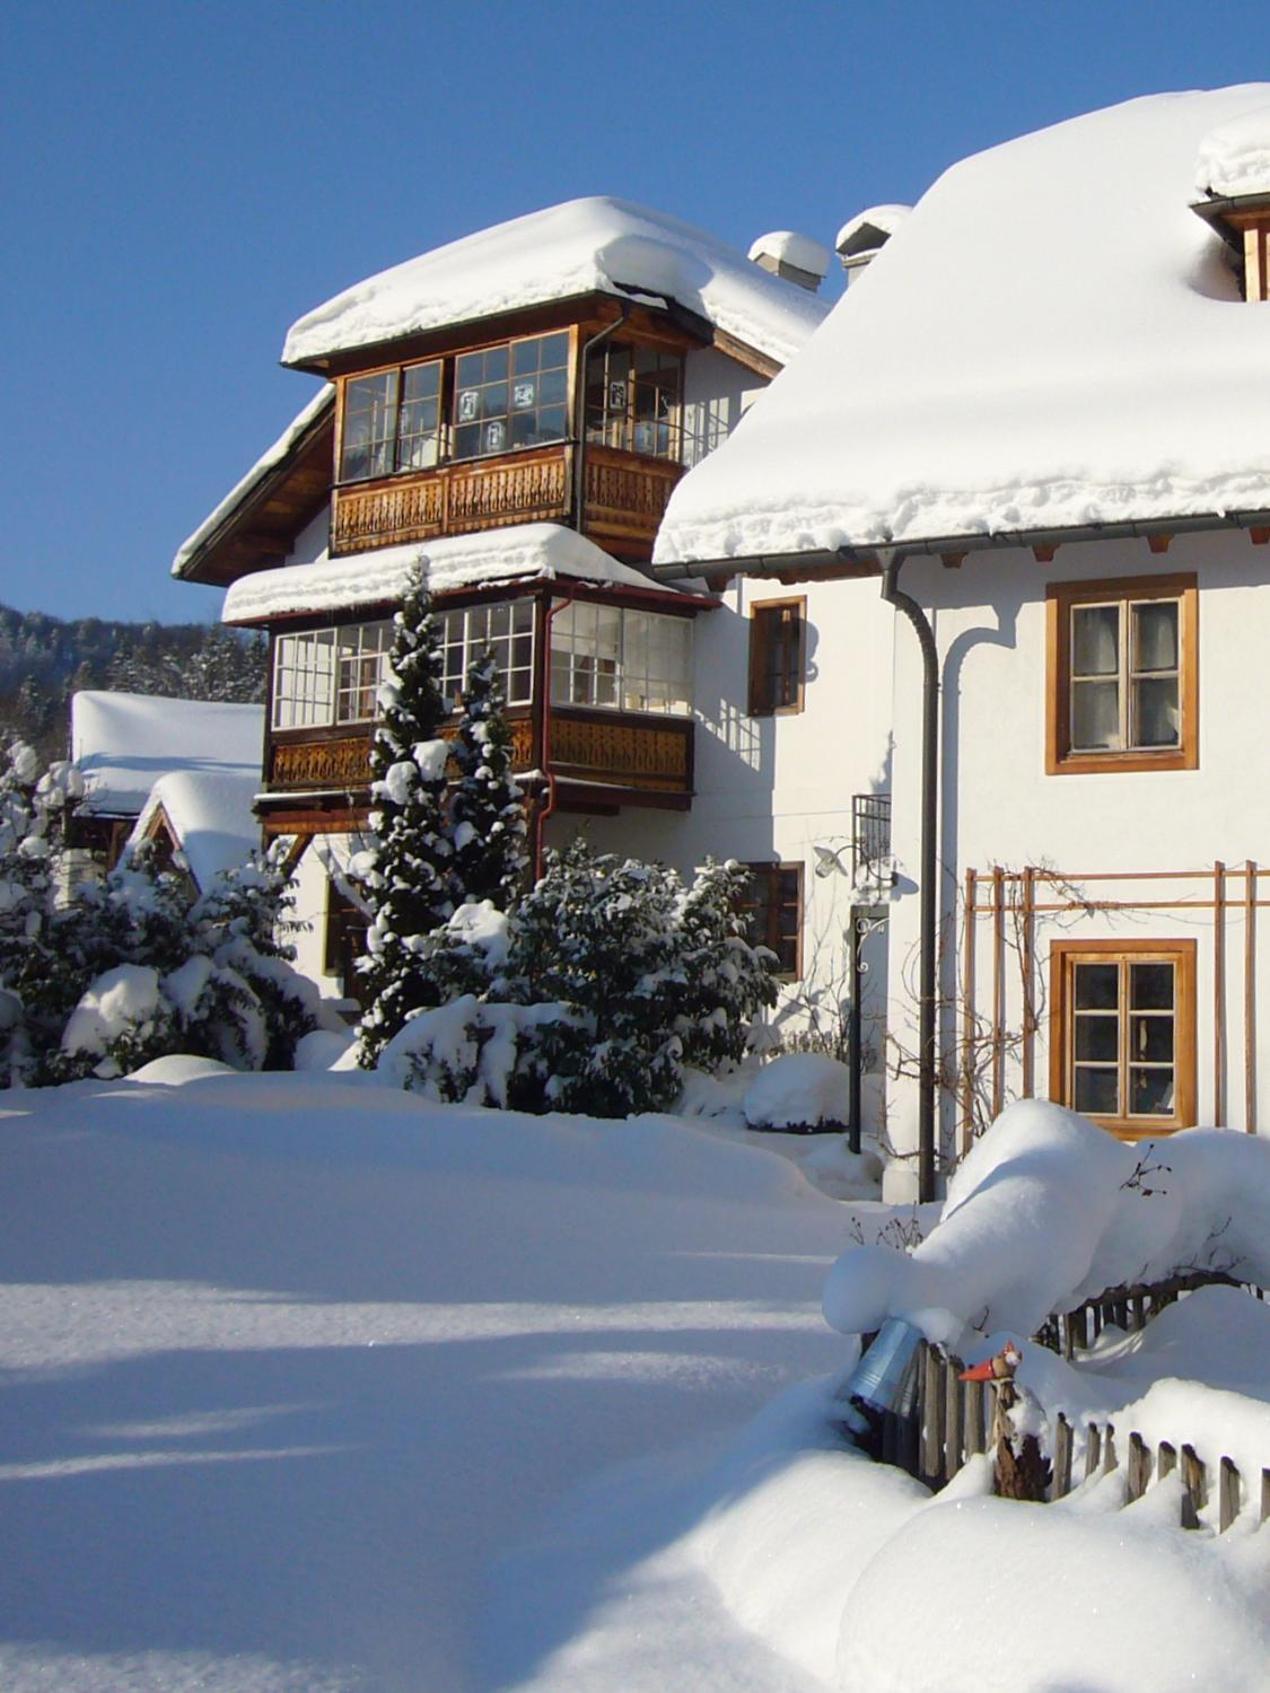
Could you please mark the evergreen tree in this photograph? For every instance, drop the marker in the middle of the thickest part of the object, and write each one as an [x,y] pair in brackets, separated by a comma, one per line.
[409,883]
[720,979]
[487,812]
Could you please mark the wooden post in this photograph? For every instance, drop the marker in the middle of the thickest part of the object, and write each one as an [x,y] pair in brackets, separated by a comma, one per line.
[998,990]
[1250,997]
[1137,1312]
[1029,973]
[968,1016]
[1138,1474]
[1228,1494]
[1093,1450]
[1265,1495]
[976,1432]
[1062,1459]
[953,1430]
[1194,1487]
[1079,1327]
[1219,994]
[1166,1459]
[932,1416]
[1110,1460]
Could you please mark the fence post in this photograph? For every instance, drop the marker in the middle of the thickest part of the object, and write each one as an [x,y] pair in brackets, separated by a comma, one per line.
[953,1432]
[1109,1459]
[932,1423]
[1138,1474]
[1194,1486]
[1062,1458]
[976,1433]
[1093,1450]
[1166,1462]
[1228,1494]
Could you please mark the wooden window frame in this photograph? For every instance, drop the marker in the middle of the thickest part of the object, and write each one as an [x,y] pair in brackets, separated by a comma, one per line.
[623,423]
[772,870]
[337,954]
[1061,599]
[1181,954]
[759,703]
[399,371]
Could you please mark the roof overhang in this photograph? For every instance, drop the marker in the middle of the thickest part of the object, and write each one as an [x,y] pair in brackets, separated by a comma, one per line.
[866,559]
[1230,215]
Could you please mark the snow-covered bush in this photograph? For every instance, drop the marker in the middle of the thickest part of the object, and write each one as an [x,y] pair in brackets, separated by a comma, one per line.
[122,1022]
[801,1090]
[630,971]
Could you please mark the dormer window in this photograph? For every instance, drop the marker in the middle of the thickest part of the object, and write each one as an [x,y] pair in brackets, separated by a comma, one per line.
[633,399]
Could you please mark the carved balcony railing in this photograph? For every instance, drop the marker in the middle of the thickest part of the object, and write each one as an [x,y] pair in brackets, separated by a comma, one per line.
[625,498]
[621,750]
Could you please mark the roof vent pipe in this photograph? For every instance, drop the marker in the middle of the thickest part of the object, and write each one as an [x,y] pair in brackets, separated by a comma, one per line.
[783,252]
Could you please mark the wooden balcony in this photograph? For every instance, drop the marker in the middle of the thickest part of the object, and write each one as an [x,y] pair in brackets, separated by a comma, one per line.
[633,756]
[626,497]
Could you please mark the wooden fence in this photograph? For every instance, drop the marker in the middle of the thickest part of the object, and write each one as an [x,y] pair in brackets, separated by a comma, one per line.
[954,1419]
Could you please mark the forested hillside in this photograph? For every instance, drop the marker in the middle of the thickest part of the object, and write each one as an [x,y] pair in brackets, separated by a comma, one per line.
[44,659]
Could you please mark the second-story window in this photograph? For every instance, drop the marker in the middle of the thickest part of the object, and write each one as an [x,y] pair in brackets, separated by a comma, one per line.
[776,657]
[329,676]
[621,659]
[505,629]
[511,396]
[392,422]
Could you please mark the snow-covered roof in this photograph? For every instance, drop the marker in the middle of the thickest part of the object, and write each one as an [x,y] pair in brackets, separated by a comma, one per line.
[242,491]
[789,247]
[1234,157]
[525,550]
[581,247]
[210,815]
[1056,341]
[123,743]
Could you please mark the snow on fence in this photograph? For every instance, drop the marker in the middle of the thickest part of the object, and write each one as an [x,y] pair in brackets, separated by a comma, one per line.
[1128,1308]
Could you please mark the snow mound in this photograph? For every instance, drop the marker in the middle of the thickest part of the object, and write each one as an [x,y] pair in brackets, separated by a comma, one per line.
[1048,1210]
[1126,383]
[801,1090]
[581,247]
[178,1068]
[322,1049]
[1234,158]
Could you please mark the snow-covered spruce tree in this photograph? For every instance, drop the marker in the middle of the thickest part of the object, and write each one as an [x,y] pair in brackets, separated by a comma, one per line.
[409,876]
[720,979]
[486,810]
[597,935]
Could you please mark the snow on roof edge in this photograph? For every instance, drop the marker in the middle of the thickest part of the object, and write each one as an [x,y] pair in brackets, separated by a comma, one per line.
[272,456]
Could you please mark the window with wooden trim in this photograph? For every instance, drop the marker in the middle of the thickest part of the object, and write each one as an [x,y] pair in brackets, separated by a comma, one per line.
[633,399]
[777,647]
[344,940]
[1122,687]
[504,628]
[773,903]
[1123,1033]
[391,422]
[621,659]
[511,396]
[328,676]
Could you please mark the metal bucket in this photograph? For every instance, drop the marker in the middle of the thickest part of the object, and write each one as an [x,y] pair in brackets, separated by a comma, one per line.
[883,1386]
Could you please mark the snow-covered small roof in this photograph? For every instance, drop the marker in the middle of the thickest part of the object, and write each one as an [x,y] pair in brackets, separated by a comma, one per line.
[123,743]
[787,246]
[861,233]
[525,550]
[584,246]
[210,815]
[1234,157]
[1056,341]
[242,491]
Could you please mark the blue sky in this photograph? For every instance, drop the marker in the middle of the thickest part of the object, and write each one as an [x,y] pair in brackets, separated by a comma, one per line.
[182,179]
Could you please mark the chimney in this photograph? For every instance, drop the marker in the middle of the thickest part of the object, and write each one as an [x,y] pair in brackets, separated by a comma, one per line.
[862,239]
[795,257]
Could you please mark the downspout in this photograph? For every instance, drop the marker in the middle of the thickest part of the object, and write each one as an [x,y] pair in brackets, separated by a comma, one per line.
[894,595]
[579,420]
[540,828]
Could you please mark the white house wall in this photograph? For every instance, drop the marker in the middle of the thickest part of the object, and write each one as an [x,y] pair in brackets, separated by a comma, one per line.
[999,807]
[717,392]
[309,939]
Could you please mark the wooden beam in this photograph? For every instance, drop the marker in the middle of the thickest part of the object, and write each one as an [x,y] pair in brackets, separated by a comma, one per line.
[1159,543]
[952,561]
[1043,553]
[1260,536]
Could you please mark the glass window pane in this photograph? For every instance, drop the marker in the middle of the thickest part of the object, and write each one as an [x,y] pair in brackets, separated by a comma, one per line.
[421,381]
[1151,1040]
[1150,1092]
[1151,987]
[1157,718]
[1097,1092]
[1097,1038]
[1097,987]
[1095,715]
[1095,640]
[1155,635]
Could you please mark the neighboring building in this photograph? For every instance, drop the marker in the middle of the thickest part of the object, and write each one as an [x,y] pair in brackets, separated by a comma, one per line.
[1047,400]
[145,756]
[514,410]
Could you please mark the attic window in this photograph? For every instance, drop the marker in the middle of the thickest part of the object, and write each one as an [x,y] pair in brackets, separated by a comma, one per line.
[511,396]
[391,422]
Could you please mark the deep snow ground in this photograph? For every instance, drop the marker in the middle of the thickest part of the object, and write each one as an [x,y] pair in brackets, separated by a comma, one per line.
[297,1371]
